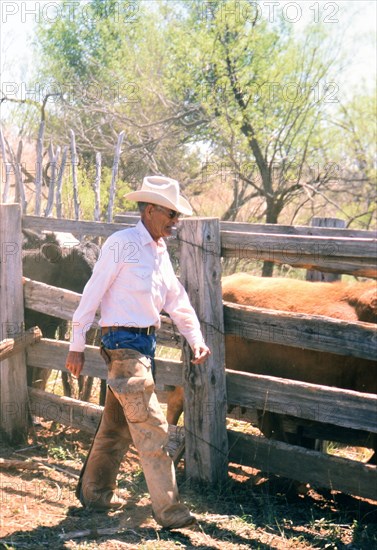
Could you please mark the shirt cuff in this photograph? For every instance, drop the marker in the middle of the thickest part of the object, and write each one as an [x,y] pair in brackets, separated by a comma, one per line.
[76,347]
[78,341]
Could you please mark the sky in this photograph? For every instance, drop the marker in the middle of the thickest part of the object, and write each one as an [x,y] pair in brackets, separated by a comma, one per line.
[353,20]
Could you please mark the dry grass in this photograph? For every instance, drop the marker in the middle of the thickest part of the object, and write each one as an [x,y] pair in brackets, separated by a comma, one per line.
[252,510]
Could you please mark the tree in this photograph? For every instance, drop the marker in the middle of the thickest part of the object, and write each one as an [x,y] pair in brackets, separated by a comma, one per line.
[176,76]
[109,62]
[257,85]
[356,138]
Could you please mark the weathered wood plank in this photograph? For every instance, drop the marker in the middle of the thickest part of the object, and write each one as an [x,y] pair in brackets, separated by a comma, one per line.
[303,465]
[74,164]
[333,254]
[294,329]
[97,188]
[11,346]
[130,217]
[62,303]
[324,249]
[81,228]
[86,416]
[290,397]
[95,229]
[295,246]
[269,456]
[275,229]
[39,169]
[6,170]
[346,408]
[300,330]
[314,274]
[53,353]
[13,389]
[59,182]
[65,410]
[114,176]
[54,163]
[205,389]
[303,230]
[51,300]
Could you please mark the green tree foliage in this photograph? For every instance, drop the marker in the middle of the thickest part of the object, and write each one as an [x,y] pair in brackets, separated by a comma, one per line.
[109,62]
[354,147]
[179,77]
[262,92]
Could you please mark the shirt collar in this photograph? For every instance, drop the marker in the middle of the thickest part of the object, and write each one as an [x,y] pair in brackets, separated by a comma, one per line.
[146,237]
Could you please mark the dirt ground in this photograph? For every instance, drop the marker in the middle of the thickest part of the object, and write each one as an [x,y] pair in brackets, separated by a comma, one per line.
[39,509]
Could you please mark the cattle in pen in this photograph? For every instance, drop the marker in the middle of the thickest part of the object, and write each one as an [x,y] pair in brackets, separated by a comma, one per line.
[347,301]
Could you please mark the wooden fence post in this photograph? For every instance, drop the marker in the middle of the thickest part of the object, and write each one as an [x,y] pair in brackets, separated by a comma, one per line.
[7,170]
[314,274]
[114,176]
[97,188]
[53,157]
[13,384]
[39,170]
[59,182]
[206,442]
[19,179]
[74,164]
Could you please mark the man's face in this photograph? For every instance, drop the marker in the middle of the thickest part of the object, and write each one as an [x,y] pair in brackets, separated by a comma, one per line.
[160,220]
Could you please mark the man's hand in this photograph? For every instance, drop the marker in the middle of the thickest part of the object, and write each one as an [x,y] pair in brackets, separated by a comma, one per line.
[75,362]
[201,352]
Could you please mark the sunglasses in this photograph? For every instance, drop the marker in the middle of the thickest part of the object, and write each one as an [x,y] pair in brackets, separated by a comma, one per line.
[170,213]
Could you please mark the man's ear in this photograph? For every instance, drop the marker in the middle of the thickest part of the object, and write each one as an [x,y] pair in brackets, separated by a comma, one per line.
[148,210]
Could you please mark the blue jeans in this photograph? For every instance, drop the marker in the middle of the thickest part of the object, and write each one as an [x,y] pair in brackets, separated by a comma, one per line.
[143,343]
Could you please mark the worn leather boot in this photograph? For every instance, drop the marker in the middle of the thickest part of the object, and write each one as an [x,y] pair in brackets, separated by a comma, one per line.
[131,381]
[176,516]
[97,482]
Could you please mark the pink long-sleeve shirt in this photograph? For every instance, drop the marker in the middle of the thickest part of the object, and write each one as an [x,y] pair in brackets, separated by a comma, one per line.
[132,281]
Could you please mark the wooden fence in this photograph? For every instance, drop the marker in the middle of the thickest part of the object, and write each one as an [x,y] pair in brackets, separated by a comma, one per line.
[209,389]
[14,173]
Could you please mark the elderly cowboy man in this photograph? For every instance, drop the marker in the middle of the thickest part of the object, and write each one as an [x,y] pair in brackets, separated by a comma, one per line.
[133,281]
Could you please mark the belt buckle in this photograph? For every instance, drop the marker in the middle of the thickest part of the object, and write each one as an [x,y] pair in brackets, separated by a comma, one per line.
[149,330]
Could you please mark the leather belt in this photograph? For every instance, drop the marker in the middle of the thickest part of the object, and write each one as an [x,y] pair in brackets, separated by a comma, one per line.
[136,330]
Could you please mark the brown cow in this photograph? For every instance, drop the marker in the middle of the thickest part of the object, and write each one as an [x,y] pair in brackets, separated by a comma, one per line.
[341,300]
[349,301]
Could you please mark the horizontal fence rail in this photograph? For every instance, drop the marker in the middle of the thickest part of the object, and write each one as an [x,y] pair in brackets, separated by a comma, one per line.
[271,228]
[336,406]
[304,465]
[169,370]
[279,327]
[65,410]
[267,455]
[322,250]
[299,330]
[330,254]
[12,346]
[347,408]
[78,228]
[62,303]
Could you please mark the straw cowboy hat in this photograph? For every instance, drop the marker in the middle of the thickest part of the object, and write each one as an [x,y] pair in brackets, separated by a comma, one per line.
[162,191]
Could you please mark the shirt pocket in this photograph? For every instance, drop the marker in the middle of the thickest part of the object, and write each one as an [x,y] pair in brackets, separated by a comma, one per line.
[141,279]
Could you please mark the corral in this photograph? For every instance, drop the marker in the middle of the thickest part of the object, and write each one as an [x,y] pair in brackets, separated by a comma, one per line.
[209,389]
